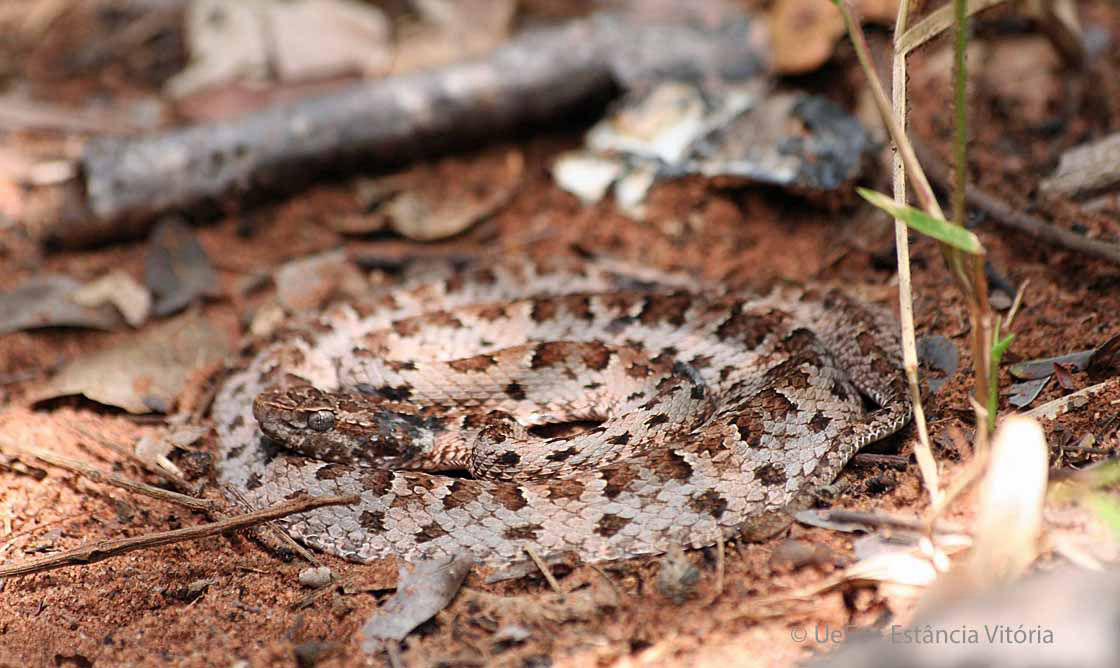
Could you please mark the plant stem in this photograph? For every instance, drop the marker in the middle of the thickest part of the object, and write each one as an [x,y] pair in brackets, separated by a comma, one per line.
[906,151]
[927,465]
[966,269]
[960,107]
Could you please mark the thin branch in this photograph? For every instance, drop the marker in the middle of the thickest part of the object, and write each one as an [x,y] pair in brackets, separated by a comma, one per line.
[937,22]
[127,453]
[1004,214]
[921,184]
[960,109]
[544,569]
[1011,312]
[112,548]
[87,471]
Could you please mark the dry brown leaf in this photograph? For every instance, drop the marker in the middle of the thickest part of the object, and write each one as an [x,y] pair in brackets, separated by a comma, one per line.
[803,33]
[122,291]
[308,283]
[48,301]
[435,207]
[421,592]
[176,268]
[145,373]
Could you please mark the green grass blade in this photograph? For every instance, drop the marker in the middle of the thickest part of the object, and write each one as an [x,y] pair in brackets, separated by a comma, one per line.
[939,229]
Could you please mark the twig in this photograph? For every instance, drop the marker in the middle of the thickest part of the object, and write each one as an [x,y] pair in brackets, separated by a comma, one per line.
[128,453]
[1002,213]
[1059,406]
[112,548]
[720,564]
[923,452]
[936,23]
[618,592]
[898,462]
[319,593]
[906,151]
[545,570]
[289,542]
[886,520]
[967,269]
[1015,303]
[85,470]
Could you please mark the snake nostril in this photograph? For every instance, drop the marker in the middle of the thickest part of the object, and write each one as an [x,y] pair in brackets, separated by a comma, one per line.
[321,420]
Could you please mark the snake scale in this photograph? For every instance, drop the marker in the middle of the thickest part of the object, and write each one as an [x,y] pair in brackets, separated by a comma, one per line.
[697,413]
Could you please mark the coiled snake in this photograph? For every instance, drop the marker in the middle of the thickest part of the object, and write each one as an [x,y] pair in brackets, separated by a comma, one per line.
[703,413]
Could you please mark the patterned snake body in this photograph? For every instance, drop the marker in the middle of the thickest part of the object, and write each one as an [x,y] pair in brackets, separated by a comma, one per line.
[713,413]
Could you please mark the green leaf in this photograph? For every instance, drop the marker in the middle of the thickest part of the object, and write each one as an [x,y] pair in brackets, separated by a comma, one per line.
[939,229]
[1001,346]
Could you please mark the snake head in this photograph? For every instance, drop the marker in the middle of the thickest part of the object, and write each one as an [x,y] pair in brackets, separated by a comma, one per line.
[341,427]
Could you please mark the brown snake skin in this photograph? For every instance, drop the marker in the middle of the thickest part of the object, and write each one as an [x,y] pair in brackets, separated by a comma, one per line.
[709,413]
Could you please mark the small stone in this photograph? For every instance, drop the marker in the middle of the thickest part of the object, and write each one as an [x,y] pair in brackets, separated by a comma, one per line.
[512,633]
[678,576]
[315,577]
[309,654]
[792,554]
[999,300]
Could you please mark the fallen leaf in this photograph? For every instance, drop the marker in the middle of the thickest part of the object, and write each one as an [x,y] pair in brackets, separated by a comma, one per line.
[804,33]
[1044,367]
[176,268]
[225,42]
[145,373]
[585,175]
[316,39]
[452,31]
[48,301]
[1105,360]
[1064,374]
[1009,518]
[446,198]
[1024,393]
[423,590]
[119,289]
[252,40]
[822,519]
[310,282]
[731,132]
[938,353]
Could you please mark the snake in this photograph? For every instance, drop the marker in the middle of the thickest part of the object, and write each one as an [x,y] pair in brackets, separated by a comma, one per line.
[561,407]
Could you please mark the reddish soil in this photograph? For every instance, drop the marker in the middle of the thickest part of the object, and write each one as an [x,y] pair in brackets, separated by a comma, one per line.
[148,608]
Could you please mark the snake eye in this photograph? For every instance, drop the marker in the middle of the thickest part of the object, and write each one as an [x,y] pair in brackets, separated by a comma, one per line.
[321,420]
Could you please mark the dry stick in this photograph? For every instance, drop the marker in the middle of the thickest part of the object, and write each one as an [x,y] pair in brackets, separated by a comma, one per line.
[720,565]
[973,284]
[87,471]
[537,76]
[973,470]
[934,24]
[1015,303]
[289,542]
[1059,406]
[927,465]
[112,548]
[544,570]
[130,454]
[1004,214]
